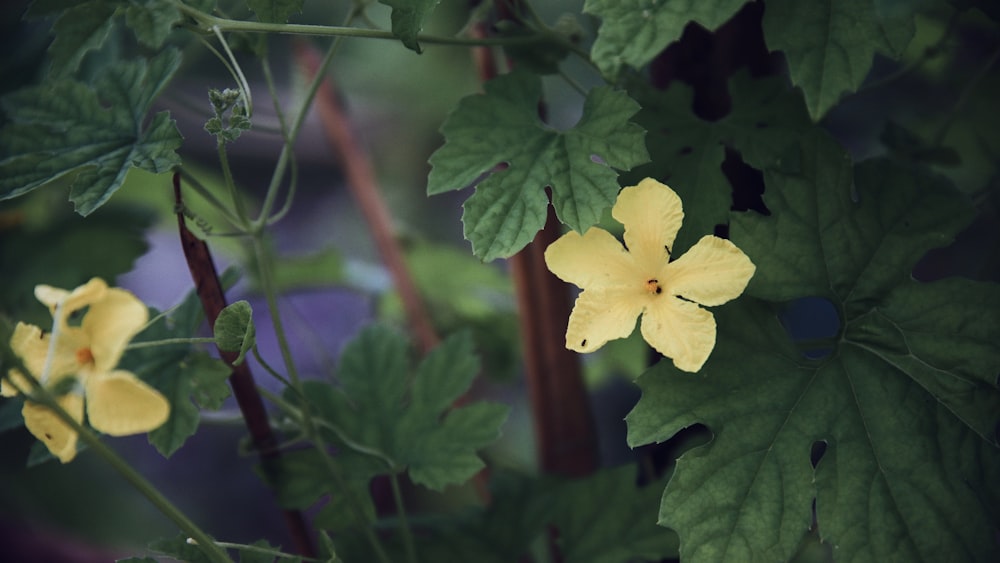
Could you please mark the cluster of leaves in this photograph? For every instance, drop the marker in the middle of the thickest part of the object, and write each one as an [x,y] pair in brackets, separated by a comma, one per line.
[892,434]
[384,421]
[887,444]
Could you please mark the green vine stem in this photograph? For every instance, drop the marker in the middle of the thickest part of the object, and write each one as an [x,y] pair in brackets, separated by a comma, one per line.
[207,23]
[213,300]
[263,551]
[408,542]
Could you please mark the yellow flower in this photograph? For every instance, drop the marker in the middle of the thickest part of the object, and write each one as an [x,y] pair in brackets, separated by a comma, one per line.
[117,402]
[620,284]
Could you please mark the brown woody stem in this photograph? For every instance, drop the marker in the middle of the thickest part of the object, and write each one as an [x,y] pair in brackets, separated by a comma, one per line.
[213,301]
[361,181]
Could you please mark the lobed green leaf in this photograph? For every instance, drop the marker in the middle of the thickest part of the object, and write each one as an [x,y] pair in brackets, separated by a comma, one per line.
[829,44]
[399,422]
[688,151]
[900,419]
[633,32]
[495,142]
[62,127]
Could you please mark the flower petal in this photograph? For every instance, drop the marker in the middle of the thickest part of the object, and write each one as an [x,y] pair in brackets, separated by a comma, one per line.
[119,404]
[680,330]
[594,260]
[32,346]
[71,301]
[712,272]
[600,315]
[652,215]
[110,323]
[9,390]
[45,425]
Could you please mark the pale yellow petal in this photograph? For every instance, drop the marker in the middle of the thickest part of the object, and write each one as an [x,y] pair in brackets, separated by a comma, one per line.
[601,315]
[71,301]
[32,346]
[652,214]
[110,324]
[7,389]
[594,260]
[45,425]
[119,404]
[711,273]
[680,330]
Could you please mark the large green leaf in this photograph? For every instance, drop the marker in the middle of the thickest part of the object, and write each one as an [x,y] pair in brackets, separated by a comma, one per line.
[634,31]
[94,130]
[408,423]
[408,19]
[906,405]
[687,152]
[79,30]
[496,142]
[829,44]
[84,25]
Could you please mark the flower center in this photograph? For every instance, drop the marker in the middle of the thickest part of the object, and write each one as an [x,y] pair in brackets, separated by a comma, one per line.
[653,286]
[84,356]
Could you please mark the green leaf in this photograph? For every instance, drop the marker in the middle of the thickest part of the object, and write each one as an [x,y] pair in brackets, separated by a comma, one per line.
[906,404]
[829,245]
[829,44]
[62,127]
[235,331]
[688,151]
[381,413]
[607,518]
[275,11]
[633,32]
[179,548]
[301,478]
[266,555]
[151,21]
[180,373]
[80,29]
[136,560]
[408,19]
[501,127]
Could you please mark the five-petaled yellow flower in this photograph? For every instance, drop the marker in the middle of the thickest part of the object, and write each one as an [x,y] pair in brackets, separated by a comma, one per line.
[621,283]
[117,402]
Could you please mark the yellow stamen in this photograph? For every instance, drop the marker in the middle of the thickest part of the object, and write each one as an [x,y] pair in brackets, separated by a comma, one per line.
[653,286]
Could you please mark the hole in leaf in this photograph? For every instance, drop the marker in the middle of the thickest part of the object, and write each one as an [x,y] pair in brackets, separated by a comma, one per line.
[685,150]
[747,183]
[813,323]
[598,160]
[816,452]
